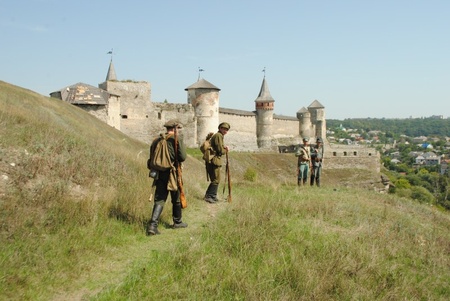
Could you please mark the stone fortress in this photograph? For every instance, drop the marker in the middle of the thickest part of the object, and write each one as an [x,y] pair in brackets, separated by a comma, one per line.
[127,106]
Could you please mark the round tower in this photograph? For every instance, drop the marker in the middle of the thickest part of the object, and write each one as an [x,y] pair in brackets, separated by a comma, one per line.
[204,98]
[304,117]
[318,119]
[264,105]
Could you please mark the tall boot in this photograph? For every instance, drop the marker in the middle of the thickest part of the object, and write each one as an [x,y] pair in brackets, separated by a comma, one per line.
[318,182]
[176,214]
[153,227]
[211,193]
[214,189]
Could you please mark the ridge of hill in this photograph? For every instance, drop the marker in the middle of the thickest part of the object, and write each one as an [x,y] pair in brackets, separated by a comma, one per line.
[74,201]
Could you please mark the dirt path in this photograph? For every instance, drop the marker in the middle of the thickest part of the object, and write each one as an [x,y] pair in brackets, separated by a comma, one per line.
[112,270]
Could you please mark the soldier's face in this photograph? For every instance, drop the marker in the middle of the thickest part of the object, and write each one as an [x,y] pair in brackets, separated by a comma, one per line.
[224,131]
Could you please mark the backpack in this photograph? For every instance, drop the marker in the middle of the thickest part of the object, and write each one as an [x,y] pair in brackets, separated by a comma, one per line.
[160,158]
[206,149]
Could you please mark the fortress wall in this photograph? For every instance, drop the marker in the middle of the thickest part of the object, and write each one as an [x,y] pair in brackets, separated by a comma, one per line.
[370,163]
[284,127]
[346,156]
[134,97]
[242,135]
[163,112]
[99,112]
[114,111]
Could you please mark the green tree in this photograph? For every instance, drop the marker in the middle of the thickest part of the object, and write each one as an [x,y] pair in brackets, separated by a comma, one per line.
[422,195]
[402,183]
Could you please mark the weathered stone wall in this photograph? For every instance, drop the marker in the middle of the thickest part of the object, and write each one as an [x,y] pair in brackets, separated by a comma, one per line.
[98,111]
[345,156]
[206,106]
[370,163]
[284,127]
[242,135]
[166,111]
[113,112]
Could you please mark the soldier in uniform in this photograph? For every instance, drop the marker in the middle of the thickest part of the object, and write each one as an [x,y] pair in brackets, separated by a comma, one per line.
[304,162]
[162,180]
[213,168]
[316,161]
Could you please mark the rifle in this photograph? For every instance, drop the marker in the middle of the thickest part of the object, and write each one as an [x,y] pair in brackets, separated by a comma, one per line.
[227,168]
[179,174]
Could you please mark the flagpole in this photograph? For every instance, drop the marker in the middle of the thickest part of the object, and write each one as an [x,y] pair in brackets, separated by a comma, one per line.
[199,70]
[110,52]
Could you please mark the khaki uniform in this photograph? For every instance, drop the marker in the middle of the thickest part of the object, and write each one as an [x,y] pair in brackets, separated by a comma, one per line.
[316,163]
[304,161]
[214,167]
[162,180]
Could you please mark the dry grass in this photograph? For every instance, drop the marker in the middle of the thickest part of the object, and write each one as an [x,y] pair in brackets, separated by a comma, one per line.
[74,199]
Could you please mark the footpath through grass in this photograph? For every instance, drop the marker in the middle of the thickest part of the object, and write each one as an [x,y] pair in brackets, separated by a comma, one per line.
[74,202]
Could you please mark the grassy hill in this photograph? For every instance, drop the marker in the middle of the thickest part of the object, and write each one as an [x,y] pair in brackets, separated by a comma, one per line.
[74,199]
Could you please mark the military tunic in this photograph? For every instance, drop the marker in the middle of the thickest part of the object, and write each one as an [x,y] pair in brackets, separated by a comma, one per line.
[213,168]
[304,159]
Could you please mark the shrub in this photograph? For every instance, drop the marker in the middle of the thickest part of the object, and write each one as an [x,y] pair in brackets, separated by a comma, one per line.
[403,192]
[250,175]
[422,194]
[402,183]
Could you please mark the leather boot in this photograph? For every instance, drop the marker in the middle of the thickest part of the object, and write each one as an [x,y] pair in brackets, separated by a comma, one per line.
[214,192]
[153,227]
[211,193]
[176,214]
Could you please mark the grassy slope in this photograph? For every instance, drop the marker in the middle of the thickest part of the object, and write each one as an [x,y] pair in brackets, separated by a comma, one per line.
[76,197]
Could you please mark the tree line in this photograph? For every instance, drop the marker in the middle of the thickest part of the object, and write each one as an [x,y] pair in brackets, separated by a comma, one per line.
[412,127]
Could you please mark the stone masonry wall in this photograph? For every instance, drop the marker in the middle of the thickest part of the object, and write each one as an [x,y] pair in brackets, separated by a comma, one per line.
[242,135]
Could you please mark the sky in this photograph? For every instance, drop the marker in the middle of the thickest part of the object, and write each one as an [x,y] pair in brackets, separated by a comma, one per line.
[358,58]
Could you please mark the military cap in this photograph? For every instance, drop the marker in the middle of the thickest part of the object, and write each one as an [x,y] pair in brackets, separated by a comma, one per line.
[319,140]
[306,139]
[225,125]
[173,123]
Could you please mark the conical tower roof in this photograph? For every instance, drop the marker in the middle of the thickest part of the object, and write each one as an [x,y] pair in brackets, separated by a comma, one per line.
[111,72]
[316,105]
[202,84]
[264,93]
[303,110]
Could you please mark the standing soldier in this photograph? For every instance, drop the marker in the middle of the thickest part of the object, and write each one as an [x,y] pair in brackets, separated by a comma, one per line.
[162,179]
[316,161]
[213,168]
[304,162]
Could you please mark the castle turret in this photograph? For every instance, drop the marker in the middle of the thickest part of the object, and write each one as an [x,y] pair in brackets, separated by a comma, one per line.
[304,117]
[317,111]
[204,97]
[129,105]
[111,75]
[264,104]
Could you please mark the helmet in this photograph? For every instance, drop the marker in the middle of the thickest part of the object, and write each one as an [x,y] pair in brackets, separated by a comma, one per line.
[173,123]
[225,125]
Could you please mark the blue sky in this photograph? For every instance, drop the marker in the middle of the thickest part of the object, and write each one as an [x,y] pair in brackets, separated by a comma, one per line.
[358,58]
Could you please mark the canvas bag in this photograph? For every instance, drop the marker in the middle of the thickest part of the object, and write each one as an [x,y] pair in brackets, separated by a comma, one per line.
[207,151]
[160,158]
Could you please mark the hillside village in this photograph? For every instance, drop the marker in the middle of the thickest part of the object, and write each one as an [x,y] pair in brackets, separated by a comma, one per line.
[415,152]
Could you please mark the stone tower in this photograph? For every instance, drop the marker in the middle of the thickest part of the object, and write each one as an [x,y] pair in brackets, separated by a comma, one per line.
[304,117]
[318,119]
[264,104]
[204,98]
[129,105]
